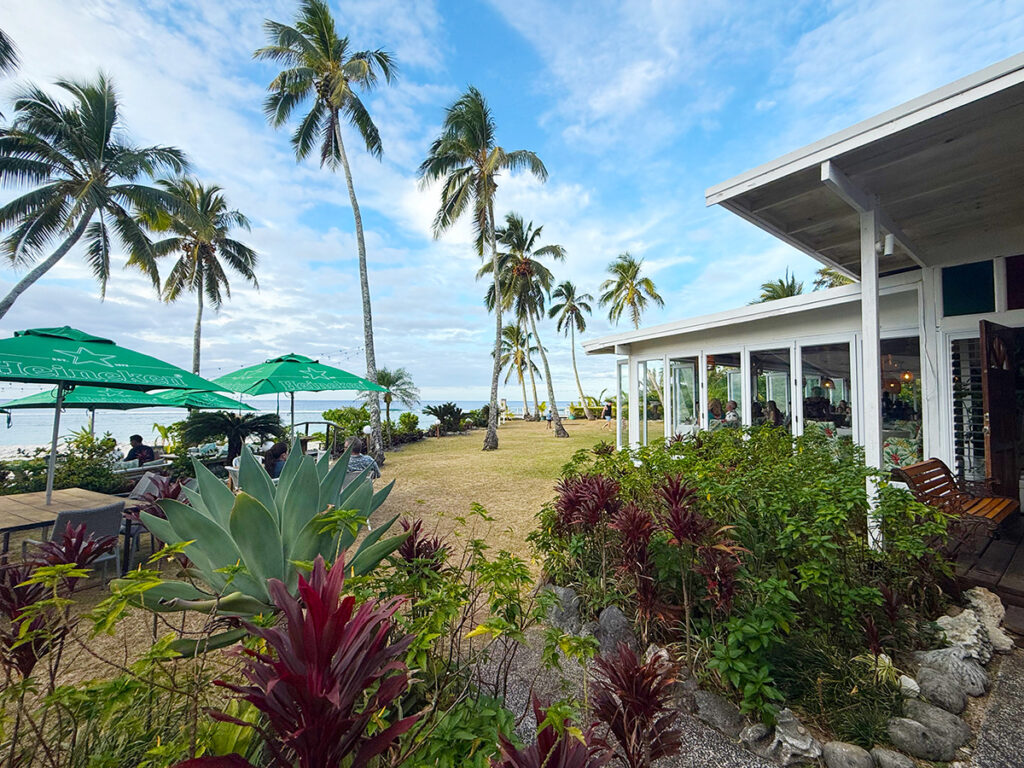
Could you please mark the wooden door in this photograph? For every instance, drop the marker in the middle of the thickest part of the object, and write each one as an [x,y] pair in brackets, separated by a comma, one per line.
[1000,404]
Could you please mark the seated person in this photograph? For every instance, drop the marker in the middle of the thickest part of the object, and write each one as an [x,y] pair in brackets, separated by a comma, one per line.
[732,416]
[274,459]
[359,461]
[756,413]
[143,453]
[773,415]
[715,412]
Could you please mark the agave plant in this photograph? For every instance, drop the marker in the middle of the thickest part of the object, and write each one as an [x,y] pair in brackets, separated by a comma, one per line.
[236,543]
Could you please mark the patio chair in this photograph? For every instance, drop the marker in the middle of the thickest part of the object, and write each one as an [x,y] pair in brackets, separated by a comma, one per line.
[99,521]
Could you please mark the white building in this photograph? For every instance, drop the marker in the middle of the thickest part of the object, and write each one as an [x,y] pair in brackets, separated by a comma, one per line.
[923,206]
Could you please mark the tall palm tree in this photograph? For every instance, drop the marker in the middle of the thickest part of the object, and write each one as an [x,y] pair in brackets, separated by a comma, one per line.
[399,385]
[516,345]
[782,288]
[8,54]
[320,65]
[628,290]
[826,277]
[86,179]
[523,284]
[469,159]
[200,230]
[570,309]
[534,372]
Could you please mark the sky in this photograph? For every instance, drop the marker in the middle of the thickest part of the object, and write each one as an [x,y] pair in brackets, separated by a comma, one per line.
[636,108]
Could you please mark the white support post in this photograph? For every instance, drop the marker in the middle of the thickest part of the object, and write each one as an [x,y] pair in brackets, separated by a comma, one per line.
[634,403]
[931,365]
[871,378]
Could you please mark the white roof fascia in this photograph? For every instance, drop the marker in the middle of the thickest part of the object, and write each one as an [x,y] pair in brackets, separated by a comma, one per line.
[905,281]
[985,82]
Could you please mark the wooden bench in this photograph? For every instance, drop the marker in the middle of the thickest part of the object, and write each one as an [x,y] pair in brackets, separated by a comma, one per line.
[932,483]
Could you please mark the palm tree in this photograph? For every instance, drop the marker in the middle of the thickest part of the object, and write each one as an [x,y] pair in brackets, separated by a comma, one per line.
[202,426]
[534,372]
[516,345]
[570,311]
[628,290]
[467,156]
[320,65]
[399,385]
[86,180]
[826,277]
[524,282]
[8,54]
[200,227]
[782,288]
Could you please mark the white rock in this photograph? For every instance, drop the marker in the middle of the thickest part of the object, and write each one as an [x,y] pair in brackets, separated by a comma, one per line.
[966,631]
[909,687]
[991,611]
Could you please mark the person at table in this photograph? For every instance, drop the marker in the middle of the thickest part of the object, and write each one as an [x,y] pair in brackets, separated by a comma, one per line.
[359,461]
[274,459]
[139,452]
[715,413]
[732,414]
[773,415]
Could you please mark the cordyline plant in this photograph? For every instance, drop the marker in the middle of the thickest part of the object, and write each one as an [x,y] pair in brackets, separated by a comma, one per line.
[559,745]
[428,551]
[330,673]
[634,700]
[588,502]
[74,548]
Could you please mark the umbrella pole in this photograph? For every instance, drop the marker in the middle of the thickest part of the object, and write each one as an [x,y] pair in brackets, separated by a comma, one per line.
[52,465]
[293,414]
[92,422]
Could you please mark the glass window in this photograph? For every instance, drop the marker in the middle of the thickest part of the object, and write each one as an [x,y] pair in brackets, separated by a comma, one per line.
[621,400]
[902,440]
[967,289]
[683,384]
[725,389]
[652,408]
[770,391]
[1015,282]
[826,388]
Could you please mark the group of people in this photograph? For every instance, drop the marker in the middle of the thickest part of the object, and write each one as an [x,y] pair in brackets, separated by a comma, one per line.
[274,459]
[768,413]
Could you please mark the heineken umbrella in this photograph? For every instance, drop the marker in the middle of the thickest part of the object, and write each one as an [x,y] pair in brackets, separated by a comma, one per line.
[293,373]
[69,357]
[196,398]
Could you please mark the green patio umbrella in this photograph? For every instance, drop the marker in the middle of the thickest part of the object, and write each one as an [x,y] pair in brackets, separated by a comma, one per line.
[293,373]
[68,357]
[195,398]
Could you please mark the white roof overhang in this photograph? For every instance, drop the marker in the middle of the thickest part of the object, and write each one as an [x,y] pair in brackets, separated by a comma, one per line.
[945,172]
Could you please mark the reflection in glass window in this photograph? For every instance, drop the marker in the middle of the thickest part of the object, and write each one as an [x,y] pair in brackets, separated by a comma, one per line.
[652,400]
[902,439]
[683,383]
[770,392]
[725,389]
[826,388]
[621,401]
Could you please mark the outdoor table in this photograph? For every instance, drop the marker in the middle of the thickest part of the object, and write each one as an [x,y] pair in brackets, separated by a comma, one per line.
[25,511]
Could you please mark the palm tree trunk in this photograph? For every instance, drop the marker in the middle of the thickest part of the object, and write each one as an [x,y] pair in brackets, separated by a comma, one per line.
[579,387]
[41,269]
[556,419]
[491,437]
[376,447]
[198,332]
[526,403]
[533,381]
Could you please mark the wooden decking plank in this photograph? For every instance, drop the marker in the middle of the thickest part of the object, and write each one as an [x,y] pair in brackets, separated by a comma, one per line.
[1013,577]
[991,567]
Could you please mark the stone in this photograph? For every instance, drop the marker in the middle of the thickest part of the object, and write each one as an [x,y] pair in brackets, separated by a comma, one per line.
[792,744]
[838,754]
[941,690]
[682,694]
[613,630]
[909,687]
[990,610]
[564,613]
[886,758]
[928,732]
[957,663]
[1014,619]
[590,629]
[756,737]
[966,631]
[718,712]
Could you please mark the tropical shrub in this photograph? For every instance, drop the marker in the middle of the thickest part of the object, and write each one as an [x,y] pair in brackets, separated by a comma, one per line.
[559,743]
[350,420]
[267,531]
[83,461]
[204,426]
[408,422]
[448,415]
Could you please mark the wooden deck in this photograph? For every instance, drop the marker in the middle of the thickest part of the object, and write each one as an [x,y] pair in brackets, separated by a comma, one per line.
[995,563]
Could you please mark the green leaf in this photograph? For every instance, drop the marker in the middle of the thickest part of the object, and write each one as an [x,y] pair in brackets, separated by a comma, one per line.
[291,466]
[257,483]
[330,489]
[190,648]
[369,558]
[380,496]
[216,497]
[255,531]
[301,501]
[156,596]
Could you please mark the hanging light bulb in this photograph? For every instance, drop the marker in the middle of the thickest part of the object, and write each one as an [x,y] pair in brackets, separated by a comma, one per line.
[907,376]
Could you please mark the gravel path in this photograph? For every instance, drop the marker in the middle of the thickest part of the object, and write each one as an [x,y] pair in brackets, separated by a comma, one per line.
[1001,741]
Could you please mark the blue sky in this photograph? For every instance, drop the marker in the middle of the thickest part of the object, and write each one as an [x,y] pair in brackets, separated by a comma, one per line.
[635,108]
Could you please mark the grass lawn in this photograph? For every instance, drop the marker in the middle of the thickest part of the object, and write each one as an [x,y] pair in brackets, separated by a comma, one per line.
[439,478]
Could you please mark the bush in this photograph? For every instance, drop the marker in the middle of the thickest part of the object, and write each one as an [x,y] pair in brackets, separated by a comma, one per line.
[408,422]
[479,416]
[448,415]
[83,461]
[351,420]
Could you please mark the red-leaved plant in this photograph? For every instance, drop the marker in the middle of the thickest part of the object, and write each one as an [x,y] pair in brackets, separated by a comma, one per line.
[634,700]
[74,548]
[554,748]
[418,549]
[164,488]
[15,597]
[331,672]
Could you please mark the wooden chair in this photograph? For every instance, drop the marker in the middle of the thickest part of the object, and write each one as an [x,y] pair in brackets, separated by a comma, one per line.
[932,483]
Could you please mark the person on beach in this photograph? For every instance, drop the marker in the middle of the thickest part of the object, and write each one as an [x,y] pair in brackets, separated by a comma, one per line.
[359,461]
[143,453]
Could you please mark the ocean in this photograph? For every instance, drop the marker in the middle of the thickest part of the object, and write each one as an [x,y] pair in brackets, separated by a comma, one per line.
[33,427]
